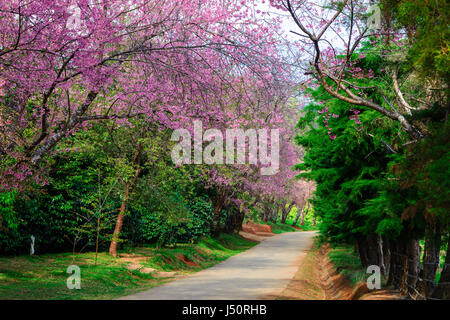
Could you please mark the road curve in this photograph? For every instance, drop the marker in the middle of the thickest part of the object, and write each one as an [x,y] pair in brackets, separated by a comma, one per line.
[262,270]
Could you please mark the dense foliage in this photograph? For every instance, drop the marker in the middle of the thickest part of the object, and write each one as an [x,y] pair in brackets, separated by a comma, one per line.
[375,188]
[93,96]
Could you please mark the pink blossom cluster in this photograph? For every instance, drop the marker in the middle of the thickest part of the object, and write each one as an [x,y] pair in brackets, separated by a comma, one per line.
[166,61]
[327,116]
[355,117]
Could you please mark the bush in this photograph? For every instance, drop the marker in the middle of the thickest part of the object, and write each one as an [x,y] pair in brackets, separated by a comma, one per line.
[165,229]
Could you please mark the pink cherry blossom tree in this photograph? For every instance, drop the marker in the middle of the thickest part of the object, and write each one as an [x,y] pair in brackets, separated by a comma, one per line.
[167,60]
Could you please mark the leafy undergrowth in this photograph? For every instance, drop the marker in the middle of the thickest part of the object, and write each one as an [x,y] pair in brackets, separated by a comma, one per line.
[44,276]
[281,227]
[288,226]
[308,226]
[347,263]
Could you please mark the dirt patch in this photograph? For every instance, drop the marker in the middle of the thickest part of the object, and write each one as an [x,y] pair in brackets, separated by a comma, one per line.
[337,287]
[162,274]
[306,284]
[125,257]
[252,237]
[317,279]
[134,266]
[155,273]
[147,270]
[257,229]
[187,261]
[382,295]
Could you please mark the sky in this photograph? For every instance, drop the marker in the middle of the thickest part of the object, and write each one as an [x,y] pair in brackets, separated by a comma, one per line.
[288,23]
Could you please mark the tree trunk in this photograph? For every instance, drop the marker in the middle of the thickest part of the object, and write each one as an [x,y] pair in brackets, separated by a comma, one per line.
[443,289]
[368,249]
[398,255]
[235,217]
[299,213]
[362,250]
[410,263]
[119,222]
[304,213]
[413,265]
[387,256]
[284,215]
[286,211]
[395,261]
[218,205]
[97,238]
[430,259]
[373,251]
[240,220]
[267,212]
[274,215]
[381,255]
[404,273]
[128,188]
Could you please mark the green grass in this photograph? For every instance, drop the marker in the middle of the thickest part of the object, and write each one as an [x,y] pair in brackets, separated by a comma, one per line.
[281,227]
[288,226]
[44,276]
[308,226]
[347,263]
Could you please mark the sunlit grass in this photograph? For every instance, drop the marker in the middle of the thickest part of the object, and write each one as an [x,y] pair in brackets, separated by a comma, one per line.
[45,276]
[347,263]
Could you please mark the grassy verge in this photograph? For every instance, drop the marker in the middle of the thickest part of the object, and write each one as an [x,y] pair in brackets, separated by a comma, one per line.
[281,227]
[308,226]
[288,227]
[347,263]
[44,276]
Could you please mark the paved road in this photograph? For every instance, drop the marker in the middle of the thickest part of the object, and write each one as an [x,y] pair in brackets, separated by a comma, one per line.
[264,269]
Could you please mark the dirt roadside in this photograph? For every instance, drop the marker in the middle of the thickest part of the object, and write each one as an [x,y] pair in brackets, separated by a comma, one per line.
[317,279]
